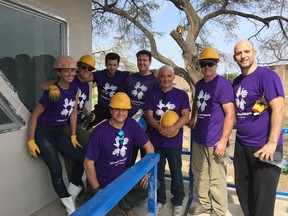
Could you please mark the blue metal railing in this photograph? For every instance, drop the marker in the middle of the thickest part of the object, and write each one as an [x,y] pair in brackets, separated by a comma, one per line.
[107,198]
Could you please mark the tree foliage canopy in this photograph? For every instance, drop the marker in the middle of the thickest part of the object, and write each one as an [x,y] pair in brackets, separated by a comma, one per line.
[132,20]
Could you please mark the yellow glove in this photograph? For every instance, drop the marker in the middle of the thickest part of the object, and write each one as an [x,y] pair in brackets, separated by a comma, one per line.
[75,141]
[54,93]
[33,148]
[90,116]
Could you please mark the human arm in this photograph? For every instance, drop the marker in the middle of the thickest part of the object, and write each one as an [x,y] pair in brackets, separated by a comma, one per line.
[90,172]
[46,84]
[32,127]
[229,121]
[191,123]
[277,106]
[151,120]
[183,120]
[148,149]
[73,123]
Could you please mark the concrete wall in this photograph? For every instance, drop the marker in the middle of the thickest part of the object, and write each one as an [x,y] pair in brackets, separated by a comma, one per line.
[25,184]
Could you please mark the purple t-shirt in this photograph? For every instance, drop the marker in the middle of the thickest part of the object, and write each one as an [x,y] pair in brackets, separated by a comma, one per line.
[159,102]
[112,159]
[137,87]
[58,113]
[84,91]
[108,86]
[210,119]
[254,130]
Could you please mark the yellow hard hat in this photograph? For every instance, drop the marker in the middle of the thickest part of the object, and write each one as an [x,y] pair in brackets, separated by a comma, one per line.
[169,118]
[87,59]
[209,53]
[120,101]
[64,62]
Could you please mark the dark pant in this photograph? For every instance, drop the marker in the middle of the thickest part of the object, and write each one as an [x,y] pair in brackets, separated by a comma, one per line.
[256,181]
[50,141]
[173,156]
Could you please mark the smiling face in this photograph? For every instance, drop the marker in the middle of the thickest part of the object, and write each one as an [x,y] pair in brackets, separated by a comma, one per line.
[84,71]
[208,68]
[118,116]
[143,63]
[66,74]
[244,55]
[112,66]
[166,77]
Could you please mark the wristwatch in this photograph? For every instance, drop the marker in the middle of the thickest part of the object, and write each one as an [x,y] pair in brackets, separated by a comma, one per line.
[96,190]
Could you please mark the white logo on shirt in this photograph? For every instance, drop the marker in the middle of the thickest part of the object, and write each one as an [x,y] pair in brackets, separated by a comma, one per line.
[240,95]
[82,98]
[120,149]
[68,107]
[202,97]
[139,90]
[162,105]
[109,89]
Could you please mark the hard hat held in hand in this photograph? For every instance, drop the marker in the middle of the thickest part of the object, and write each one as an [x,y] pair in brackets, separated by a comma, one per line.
[169,118]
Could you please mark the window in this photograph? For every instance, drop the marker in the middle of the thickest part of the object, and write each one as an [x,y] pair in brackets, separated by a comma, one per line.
[30,42]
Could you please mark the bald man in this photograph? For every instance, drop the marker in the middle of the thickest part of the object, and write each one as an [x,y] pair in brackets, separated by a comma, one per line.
[258,137]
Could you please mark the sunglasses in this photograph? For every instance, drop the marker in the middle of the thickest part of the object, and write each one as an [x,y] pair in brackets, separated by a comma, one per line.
[164,98]
[204,64]
[83,67]
[121,138]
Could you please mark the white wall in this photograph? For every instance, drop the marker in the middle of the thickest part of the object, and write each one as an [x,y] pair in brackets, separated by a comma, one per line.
[25,184]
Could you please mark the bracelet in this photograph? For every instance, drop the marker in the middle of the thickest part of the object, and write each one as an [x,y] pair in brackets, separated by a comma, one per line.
[96,190]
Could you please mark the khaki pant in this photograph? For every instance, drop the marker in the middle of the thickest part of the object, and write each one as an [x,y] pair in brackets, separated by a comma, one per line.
[209,178]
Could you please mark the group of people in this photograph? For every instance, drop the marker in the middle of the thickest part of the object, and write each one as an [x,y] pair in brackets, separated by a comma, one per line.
[111,144]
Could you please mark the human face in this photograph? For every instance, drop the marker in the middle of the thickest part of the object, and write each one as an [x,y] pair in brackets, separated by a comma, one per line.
[244,55]
[67,74]
[84,71]
[112,66]
[166,78]
[208,70]
[143,63]
[118,115]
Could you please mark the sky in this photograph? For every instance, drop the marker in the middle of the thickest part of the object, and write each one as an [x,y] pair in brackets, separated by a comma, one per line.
[168,18]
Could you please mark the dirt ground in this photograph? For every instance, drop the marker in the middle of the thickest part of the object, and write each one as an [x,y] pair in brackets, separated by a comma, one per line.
[282,186]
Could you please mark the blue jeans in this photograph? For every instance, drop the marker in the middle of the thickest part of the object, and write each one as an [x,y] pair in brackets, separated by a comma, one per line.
[50,141]
[173,156]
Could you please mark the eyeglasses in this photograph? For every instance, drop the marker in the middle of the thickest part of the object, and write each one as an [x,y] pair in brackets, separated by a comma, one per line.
[204,64]
[164,98]
[121,138]
[83,67]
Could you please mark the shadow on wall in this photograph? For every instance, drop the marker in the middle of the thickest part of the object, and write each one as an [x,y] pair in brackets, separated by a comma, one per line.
[26,73]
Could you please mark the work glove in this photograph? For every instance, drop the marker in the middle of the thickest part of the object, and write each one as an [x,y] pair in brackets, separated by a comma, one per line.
[90,117]
[75,141]
[33,148]
[54,93]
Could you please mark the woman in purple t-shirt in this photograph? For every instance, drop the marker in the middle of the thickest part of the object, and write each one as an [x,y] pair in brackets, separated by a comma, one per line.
[46,136]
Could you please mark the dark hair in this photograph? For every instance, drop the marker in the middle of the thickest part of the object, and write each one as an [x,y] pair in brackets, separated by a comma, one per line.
[144,52]
[112,56]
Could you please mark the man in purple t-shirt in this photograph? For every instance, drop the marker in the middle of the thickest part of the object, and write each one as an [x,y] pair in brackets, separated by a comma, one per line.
[165,142]
[258,133]
[213,107]
[109,152]
[109,81]
[137,86]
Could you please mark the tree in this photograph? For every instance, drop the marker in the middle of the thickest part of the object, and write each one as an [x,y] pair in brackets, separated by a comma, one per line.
[133,21]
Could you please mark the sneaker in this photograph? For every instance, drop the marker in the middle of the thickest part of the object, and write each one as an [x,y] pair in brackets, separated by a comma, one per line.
[160,207]
[199,209]
[178,211]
